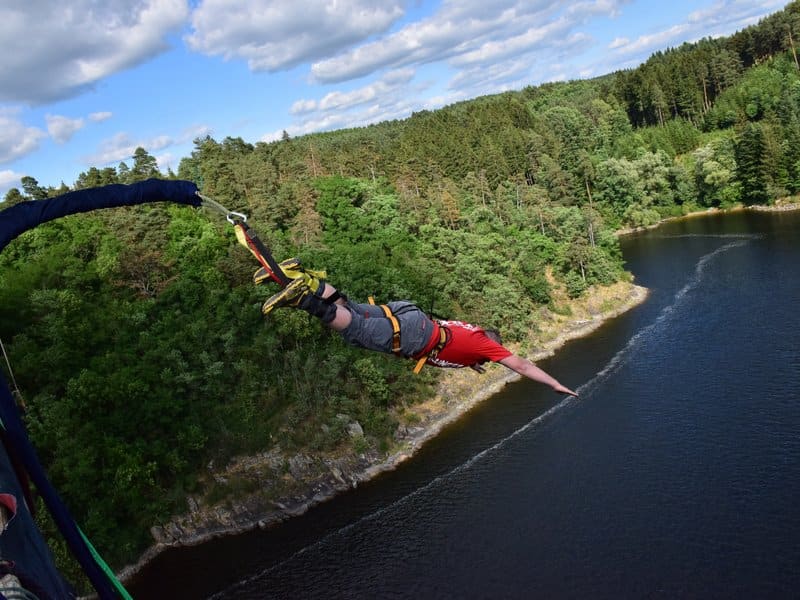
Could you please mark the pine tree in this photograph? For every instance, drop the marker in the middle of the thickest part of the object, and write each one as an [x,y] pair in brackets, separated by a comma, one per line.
[32,188]
[144,165]
[750,171]
[12,197]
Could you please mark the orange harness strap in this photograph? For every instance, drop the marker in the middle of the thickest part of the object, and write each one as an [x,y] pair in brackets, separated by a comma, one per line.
[436,349]
[395,328]
[395,325]
[421,360]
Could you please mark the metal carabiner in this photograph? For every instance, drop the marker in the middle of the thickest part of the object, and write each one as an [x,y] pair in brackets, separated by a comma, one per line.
[232,214]
[229,214]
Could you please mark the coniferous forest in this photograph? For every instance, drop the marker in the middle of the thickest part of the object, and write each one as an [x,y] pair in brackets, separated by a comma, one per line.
[136,335]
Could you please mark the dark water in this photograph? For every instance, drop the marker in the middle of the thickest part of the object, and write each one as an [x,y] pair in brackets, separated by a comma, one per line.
[677,474]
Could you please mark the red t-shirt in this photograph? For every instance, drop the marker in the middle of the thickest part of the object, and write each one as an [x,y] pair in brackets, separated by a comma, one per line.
[468,345]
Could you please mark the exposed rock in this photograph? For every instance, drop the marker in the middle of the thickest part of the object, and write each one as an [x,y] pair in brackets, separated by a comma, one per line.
[223,516]
[172,531]
[299,466]
[355,430]
[405,432]
[157,532]
[337,474]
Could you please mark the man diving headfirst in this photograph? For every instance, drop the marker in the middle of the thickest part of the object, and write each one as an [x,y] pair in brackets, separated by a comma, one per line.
[398,327]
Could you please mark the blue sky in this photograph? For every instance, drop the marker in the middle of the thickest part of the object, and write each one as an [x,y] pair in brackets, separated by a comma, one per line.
[84,82]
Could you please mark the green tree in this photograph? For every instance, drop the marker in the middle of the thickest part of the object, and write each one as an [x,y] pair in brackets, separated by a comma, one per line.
[618,186]
[144,167]
[124,173]
[12,197]
[653,169]
[715,174]
[32,189]
[750,166]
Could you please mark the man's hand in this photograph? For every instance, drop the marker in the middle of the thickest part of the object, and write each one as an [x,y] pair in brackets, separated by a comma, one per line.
[560,389]
[525,367]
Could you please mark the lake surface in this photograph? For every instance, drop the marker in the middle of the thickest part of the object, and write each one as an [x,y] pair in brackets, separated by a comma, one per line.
[677,473]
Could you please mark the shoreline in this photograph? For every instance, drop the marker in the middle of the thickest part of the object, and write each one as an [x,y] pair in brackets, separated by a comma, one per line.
[456,395]
[783,205]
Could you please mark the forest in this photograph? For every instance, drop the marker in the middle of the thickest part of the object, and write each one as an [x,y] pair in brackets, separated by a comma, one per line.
[136,336]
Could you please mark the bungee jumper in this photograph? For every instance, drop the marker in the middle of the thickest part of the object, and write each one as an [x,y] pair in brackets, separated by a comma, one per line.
[399,327]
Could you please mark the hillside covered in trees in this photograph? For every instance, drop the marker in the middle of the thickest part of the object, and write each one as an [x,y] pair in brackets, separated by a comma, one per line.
[136,335]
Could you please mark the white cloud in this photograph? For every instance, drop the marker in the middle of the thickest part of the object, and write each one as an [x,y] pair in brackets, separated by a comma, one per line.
[165,162]
[16,138]
[619,42]
[121,148]
[273,136]
[52,50]
[591,8]
[377,101]
[99,117]
[476,80]
[465,33]
[158,143]
[273,35]
[192,133]
[497,49]
[435,102]
[386,109]
[61,129]
[339,101]
[733,14]
[8,180]
[112,150]
[303,106]
[660,39]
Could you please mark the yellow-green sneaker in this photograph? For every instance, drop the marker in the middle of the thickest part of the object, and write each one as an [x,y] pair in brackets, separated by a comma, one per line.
[291,295]
[292,268]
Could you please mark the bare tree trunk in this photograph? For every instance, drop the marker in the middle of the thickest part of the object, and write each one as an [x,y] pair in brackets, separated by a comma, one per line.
[591,213]
[312,160]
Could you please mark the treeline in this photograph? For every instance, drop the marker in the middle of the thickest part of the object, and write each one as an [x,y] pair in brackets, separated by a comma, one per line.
[685,82]
[136,335]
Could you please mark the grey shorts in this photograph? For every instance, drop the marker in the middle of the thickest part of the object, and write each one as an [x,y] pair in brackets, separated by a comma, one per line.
[371,329]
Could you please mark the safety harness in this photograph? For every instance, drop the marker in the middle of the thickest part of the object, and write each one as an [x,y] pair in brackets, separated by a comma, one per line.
[422,357]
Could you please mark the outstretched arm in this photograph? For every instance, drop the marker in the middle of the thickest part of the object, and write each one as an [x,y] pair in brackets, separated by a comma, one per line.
[527,369]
